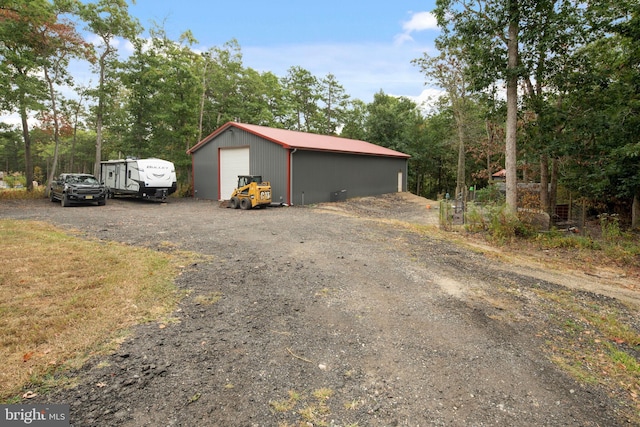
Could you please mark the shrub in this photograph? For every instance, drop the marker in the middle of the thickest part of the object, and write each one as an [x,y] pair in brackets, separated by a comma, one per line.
[474,219]
[610,226]
[490,194]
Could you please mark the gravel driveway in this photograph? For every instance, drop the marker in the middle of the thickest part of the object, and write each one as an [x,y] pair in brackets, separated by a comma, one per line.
[336,315]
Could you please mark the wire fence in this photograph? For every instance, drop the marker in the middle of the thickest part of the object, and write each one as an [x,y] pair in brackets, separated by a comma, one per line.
[574,215]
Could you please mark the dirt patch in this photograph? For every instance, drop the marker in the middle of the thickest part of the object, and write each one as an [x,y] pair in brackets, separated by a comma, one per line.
[336,314]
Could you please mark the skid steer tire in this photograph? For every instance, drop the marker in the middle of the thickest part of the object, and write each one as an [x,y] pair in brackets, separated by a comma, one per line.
[234,203]
[245,204]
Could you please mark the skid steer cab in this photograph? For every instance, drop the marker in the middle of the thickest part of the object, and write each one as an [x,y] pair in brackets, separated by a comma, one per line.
[252,192]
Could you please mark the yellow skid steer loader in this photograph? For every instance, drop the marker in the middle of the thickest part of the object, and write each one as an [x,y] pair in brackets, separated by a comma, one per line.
[251,192]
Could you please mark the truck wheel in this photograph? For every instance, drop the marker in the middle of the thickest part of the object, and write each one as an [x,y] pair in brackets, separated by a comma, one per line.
[245,204]
[64,201]
[233,203]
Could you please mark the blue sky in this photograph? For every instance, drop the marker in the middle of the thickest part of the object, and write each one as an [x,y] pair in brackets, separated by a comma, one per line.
[368,46]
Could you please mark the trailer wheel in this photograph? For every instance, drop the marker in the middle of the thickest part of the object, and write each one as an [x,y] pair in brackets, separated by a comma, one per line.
[64,201]
[234,203]
[245,204]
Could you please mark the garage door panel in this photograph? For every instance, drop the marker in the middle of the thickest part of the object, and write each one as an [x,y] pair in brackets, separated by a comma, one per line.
[233,162]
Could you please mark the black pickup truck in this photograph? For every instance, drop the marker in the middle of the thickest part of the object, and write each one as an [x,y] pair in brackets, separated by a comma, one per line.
[78,188]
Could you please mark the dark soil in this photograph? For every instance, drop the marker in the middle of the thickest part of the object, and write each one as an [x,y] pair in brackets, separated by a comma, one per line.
[337,314]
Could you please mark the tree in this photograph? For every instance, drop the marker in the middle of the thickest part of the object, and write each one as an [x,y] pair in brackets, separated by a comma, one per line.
[486,32]
[22,55]
[59,42]
[10,141]
[391,121]
[603,119]
[162,82]
[223,73]
[335,100]
[436,161]
[262,99]
[449,71]
[395,123]
[107,19]
[302,89]
[355,120]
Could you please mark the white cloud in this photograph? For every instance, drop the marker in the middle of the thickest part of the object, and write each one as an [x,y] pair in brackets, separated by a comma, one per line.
[420,21]
[400,39]
[428,99]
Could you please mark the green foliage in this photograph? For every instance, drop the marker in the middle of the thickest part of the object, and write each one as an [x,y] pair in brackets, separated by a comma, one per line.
[561,240]
[504,226]
[475,220]
[610,226]
[489,195]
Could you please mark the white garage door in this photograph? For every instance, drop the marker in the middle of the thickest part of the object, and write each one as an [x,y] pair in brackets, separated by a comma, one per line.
[233,162]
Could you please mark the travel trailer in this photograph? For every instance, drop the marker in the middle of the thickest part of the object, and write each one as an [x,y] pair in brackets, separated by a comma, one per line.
[151,179]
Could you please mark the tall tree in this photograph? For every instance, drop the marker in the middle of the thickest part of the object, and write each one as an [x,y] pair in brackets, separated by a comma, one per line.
[335,100]
[108,20]
[392,122]
[603,121]
[487,32]
[221,85]
[162,81]
[449,71]
[303,92]
[355,120]
[75,109]
[22,56]
[60,42]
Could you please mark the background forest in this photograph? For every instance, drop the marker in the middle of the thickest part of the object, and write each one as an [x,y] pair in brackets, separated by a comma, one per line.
[548,90]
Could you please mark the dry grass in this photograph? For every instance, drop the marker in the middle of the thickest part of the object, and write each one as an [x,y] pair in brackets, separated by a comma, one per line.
[22,193]
[64,298]
[596,342]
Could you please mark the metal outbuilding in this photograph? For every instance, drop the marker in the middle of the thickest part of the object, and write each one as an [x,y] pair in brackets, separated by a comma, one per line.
[302,167]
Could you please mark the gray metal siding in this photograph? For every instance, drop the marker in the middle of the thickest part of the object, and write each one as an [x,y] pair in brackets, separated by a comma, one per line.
[265,158]
[316,175]
[205,172]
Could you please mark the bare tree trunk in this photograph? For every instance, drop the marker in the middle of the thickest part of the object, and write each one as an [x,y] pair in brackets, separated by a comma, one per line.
[553,193]
[460,178]
[512,111]
[99,116]
[56,130]
[490,136]
[28,162]
[635,210]
[544,183]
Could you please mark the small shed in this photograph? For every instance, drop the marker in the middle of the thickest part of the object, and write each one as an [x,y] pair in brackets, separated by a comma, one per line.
[302,167]
[499,176]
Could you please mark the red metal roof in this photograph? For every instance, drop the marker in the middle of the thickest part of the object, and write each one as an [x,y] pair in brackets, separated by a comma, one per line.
[306,141]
